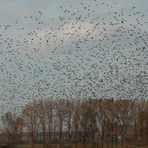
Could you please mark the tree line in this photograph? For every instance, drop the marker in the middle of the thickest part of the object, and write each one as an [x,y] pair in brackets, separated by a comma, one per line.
[99,122]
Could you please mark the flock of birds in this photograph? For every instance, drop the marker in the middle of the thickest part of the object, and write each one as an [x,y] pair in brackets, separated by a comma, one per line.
[80,54]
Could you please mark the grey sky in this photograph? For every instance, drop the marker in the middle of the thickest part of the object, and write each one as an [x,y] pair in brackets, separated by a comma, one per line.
[27,74]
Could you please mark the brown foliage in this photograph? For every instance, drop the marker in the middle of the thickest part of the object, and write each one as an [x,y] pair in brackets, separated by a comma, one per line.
[101,121]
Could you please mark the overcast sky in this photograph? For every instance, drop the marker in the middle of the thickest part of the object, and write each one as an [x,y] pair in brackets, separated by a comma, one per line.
[32,67]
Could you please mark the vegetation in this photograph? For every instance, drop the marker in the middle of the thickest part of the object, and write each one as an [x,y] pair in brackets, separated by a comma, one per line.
[91,122]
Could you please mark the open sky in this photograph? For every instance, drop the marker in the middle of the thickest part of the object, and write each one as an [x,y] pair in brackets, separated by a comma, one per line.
[72,49]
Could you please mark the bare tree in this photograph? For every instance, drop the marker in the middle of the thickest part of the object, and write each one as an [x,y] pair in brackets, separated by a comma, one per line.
[42,119]
[11,127]
[125,117]
[49,111]
[60,108]
[32,120]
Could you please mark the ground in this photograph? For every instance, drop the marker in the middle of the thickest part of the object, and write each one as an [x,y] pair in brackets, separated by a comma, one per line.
[79,146]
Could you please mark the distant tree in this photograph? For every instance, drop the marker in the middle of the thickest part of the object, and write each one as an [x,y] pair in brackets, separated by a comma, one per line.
[76,120]
[60,108]
[69,118]
[81,121]
[88,120]
[12,127]
[100,121]
[142,122]
[32,120]
[49,111]
[110,113]
[41,113]
[125,118]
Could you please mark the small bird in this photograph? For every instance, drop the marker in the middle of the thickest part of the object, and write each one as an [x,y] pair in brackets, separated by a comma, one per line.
[79,53]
